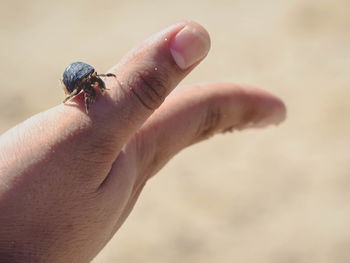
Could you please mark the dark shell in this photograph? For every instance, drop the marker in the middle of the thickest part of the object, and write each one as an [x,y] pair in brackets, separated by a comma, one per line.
[75,72]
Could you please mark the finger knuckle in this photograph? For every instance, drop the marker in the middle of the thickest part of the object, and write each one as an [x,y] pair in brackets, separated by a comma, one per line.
[148,87]
[210,123]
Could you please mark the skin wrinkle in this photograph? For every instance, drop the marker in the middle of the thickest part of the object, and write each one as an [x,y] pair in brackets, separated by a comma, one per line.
[141,100]
[152,88]
[213,117]
[212,120]
[149,86]
[88,153]
[105,183]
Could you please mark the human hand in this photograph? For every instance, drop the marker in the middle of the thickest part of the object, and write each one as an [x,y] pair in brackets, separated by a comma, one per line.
[68,179]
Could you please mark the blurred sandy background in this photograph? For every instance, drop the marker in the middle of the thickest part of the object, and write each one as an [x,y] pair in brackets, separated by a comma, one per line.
[276,195]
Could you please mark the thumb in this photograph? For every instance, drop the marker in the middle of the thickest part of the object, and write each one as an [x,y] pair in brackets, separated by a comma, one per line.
[148,73]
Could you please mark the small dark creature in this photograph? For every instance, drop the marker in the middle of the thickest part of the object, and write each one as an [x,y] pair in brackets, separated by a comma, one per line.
[80,76]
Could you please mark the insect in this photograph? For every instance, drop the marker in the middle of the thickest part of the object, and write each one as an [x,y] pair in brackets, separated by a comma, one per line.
[80,76]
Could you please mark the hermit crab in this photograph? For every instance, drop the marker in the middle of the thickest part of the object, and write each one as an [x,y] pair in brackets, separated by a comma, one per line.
[80,76]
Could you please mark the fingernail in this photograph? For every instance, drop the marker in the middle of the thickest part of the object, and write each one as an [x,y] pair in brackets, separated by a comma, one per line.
[190,45]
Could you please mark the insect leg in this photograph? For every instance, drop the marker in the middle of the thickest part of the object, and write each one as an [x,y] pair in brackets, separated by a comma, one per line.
[93,95]
[69,96]
[107,75]
[87,99]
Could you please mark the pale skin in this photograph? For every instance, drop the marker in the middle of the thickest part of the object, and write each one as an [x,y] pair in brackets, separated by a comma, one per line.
[68,180]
